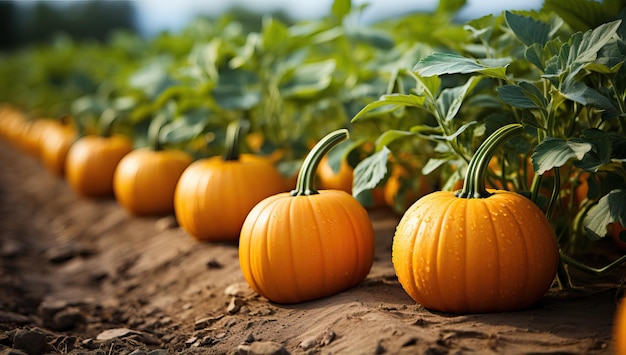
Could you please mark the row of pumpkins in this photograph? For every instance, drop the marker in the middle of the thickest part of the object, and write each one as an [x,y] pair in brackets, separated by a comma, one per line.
[470,251]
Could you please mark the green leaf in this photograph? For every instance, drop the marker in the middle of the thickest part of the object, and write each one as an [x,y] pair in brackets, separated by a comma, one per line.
[237,89]
[450,100]
[528,30]
[370,171]
[582,15]
[185,127]
[554,152]
[523,95]
[275,34]
[341,8]
[592,41]
[610,208]
[455,134]
[389,136]
[583,94]
[309,79]
[392,101]
[448,63]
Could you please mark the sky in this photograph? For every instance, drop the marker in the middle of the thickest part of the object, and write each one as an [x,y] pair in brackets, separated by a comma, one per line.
[173,15]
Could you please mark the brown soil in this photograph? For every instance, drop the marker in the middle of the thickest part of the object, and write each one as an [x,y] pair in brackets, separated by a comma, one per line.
[84,277]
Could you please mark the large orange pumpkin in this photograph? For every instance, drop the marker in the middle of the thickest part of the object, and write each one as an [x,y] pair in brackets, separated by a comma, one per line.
[307,244]
[475,251]
[91,161]
[214,195]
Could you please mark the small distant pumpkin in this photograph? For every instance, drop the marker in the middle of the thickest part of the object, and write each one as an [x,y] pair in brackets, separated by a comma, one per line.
[214,195]
[307,244]
[476,251]
[91,161]
[55,145]
[145,179]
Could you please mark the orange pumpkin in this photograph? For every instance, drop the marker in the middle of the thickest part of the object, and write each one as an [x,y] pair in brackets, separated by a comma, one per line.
[619,328]
[54,147]
[307,244]
[91,161]
[401,191]
[145,180]
[476,251]
[214,195]
[328,179]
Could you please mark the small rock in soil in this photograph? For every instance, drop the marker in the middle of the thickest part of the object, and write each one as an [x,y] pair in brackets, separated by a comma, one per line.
[12,352]
[240,289]
[166,223]
[235,305]
[13,318]
[138,352]
[10,249]
[115,333]
[61,253]
[30,341]
[262,348]
[68,318]
[214,264]
[206,322]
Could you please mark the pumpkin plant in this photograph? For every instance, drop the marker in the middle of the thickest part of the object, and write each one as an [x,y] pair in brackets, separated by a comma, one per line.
[214,195]
[307,244]
[91,161]
[474,250]
[145,179]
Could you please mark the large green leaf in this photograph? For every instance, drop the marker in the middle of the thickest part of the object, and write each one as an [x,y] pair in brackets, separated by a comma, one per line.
[237,89]
[554,152]
[582,15]
[449,63]
[610,208]
[528,30]
[341,8]
[523,95]
[370,171]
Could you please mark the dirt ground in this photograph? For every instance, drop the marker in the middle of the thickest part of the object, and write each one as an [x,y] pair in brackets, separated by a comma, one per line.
[84,277]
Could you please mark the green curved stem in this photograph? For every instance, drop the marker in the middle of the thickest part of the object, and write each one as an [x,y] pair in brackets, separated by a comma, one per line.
[108,117]
[591,270]
[474,185]
[234,131]
[154,131]
[556,188]
[305,184]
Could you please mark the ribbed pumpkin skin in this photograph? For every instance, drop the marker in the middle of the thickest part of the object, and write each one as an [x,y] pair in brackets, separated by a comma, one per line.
[145,180]
[213,196]
[296,249]
[475,255]
[54,147]
[91,162]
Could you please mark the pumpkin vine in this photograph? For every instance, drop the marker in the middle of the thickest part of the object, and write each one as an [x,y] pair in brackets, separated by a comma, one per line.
[305,183]
[233,133]
[474,185]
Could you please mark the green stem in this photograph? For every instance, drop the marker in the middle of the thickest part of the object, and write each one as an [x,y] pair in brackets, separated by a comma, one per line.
[305,184]
[474,186]
[591,270]
[154,131]
[233,133]
[108,117]
[556,187]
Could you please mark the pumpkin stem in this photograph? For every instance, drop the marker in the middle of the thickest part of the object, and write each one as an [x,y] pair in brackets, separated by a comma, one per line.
[108,117]
[305,184]
[234,131]
[474,185]
[154,131]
